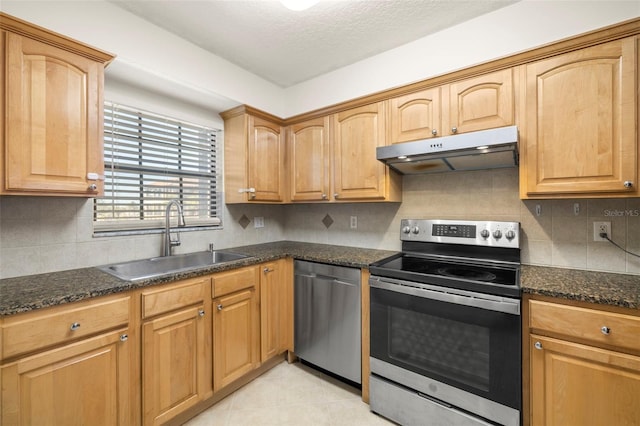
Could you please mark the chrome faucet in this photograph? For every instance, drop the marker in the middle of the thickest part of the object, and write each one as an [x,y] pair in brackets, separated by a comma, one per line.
[168,242]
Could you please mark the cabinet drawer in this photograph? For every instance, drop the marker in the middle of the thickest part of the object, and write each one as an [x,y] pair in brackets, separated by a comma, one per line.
[238,279]
[35,330]
[173,297]
[590,324]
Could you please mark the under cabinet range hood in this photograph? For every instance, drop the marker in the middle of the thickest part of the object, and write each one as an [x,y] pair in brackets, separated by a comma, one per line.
[484,149]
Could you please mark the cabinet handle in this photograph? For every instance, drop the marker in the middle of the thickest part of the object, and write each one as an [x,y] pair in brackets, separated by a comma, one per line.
[93,187]
[434,132]
[454,130]
[124,337]
[605,330]
[538,346]
[265,270]
[75,326]
[628,184]
[219,307]
[201,313]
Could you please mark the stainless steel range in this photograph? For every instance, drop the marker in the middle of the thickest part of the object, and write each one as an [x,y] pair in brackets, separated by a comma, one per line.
[445,325]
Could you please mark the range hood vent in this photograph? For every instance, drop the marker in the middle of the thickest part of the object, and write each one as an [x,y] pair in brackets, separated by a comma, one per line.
[485,149]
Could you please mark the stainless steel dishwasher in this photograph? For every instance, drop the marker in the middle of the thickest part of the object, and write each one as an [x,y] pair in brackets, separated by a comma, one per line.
[327,317]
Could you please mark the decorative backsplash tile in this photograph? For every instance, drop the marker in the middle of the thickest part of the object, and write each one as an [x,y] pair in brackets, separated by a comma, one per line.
[244,221]
[327,221]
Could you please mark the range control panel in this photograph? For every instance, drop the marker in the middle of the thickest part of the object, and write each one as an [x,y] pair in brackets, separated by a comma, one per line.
[480,233]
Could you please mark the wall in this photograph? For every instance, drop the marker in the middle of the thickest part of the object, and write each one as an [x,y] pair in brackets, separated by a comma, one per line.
[45,234]
[557,237]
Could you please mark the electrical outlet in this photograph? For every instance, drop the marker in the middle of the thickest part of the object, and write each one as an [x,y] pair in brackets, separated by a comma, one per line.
[258,222]
[354,222]
[600,227]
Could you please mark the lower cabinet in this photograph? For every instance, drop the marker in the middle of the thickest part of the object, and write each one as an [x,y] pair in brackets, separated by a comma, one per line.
[173,350]
[276,309]
[584,366]
[68,365]
[236,325]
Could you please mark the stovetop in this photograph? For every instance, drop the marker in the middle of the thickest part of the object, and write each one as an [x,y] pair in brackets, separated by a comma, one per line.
[465,255]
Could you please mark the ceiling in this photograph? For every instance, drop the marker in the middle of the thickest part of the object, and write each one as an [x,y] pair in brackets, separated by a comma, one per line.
[287,47]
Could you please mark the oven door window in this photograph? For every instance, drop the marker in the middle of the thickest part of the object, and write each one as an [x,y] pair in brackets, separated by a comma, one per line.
[470,348]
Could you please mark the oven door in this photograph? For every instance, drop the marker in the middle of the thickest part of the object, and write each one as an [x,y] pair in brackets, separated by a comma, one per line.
[462,340]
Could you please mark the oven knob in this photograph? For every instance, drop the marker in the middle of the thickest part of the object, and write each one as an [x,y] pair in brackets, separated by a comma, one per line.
[406,229]
[415,230]
[510,235]
[497,234]
[485,233]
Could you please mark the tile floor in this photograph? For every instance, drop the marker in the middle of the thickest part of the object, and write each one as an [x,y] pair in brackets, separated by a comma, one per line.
[291,394]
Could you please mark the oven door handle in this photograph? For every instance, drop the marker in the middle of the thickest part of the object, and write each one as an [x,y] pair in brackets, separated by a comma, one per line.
[476,300]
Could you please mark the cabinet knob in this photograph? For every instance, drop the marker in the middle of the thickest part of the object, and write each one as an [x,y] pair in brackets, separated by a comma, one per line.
[324,196]
[628,184]
[454,130]
[201,312]
[605,330]
[336,195]
[93,187]
[75,326]
[538,345]
[265,270]
[124,337]
[434,132]
[219,307]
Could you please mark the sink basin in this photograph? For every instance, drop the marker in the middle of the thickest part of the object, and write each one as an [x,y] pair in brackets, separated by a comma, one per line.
[157,266]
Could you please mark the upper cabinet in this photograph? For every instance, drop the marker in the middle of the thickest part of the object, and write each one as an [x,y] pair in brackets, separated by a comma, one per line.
[52,123]
[309,161]
[579,135]
[254,154]
[357,174]
[478,103]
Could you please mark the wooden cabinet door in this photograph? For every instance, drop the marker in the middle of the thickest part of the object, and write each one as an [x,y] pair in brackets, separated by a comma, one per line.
[415,116]
[574,384]
[84,383]
[581,123]
[357,134]
[173,354]
[265,160]
[309,160]
[479,103]
[276,313]
[53,128]
[236,336]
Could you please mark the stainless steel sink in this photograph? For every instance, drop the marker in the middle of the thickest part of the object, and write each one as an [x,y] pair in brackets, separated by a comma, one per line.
[157,266]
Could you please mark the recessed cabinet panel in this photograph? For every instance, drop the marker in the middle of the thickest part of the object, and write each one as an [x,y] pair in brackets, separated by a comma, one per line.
[415,116]
[309,160]
[481,103]
[53,118]
[357,172]
[265,160]
[580,123]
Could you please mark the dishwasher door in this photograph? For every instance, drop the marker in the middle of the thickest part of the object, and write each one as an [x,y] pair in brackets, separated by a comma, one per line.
[327,320]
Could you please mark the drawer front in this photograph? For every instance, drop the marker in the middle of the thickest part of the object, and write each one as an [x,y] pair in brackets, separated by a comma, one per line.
[590,324]
[35,330]
[238,279]
[173,297]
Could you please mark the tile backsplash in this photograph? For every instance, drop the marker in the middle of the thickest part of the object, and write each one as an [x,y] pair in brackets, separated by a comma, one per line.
[45,234]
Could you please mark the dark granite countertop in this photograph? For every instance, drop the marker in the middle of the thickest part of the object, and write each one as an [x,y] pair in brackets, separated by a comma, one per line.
[587,286]
[23,294]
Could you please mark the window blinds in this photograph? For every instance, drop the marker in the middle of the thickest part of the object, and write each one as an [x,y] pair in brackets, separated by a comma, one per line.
[150,160]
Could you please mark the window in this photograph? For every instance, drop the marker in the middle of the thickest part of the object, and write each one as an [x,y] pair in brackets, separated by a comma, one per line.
[150,160]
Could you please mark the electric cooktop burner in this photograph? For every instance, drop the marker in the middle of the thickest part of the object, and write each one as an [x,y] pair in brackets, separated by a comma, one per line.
[467,273]
[428,267]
